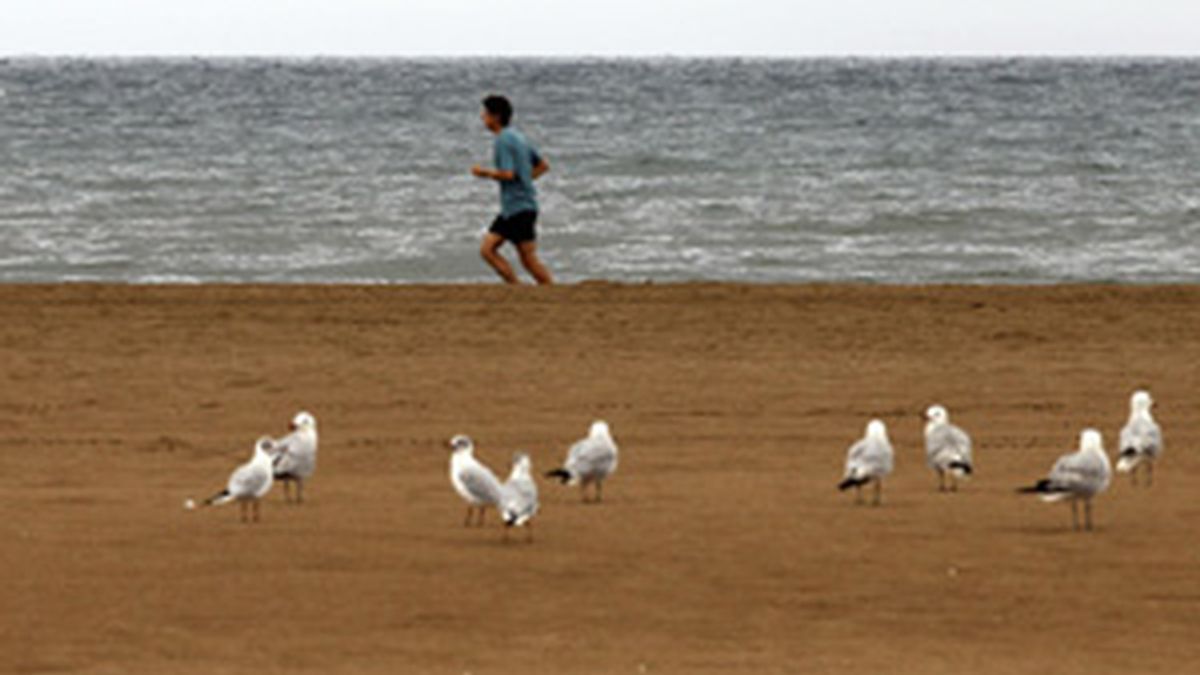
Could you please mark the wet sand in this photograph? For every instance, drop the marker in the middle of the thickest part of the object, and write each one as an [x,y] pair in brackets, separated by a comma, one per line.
[721,545]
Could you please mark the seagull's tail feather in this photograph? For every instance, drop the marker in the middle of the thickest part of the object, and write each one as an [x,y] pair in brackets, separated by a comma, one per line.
[562,475]
[1042,487]
[852,481]
[218,499]
[960,468]
[1128,461]
[513,516]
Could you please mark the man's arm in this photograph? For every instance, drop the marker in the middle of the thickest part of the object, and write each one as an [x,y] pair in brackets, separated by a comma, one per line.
[494,174]
[541,168]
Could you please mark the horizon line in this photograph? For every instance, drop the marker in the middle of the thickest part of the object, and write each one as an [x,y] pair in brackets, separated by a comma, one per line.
[603,57]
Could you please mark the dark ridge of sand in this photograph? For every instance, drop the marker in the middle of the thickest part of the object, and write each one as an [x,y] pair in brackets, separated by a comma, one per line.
[722,545]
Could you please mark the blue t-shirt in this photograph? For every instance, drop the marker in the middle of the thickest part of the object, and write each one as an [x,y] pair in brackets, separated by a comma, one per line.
[514,153]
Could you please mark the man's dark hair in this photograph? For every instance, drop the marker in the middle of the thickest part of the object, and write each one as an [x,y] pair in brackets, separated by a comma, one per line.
[499,107]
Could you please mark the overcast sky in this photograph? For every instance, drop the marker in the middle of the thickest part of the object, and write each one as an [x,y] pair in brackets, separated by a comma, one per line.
[599,27]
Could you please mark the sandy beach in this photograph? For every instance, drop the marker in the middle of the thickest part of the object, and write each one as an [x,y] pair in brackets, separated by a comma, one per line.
[721,546]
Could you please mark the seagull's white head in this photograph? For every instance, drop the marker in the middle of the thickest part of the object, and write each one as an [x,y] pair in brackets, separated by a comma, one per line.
[1140,402]
[1091,441]
[264,447]
[937,414]
[877,429]
[521,464]
[599,430]
[461,443]
[303,420]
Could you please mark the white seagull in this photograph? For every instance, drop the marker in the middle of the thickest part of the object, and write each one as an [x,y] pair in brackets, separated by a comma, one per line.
[295,455]
[1141,439]
[474,482]
[519,496]
[947,448]
[1077,475]
[869,460]
[589,461]
[250,482]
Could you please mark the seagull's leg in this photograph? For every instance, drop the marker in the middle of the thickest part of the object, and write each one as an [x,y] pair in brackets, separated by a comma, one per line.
[599,484]
[299,490]
[242,507]
[878,491]
[954,482]
[529,532]
[1149,473]
[1075,513]
[255,505]
[941,480]
[467,522]
[858,494]
[1133,476]
[482,513]
[1087,513]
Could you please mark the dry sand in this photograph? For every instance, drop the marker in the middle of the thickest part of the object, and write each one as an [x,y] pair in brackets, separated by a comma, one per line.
[722,545]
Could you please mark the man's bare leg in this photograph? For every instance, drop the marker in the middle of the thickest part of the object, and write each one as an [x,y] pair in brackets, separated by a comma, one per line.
[532,263]
[490,250]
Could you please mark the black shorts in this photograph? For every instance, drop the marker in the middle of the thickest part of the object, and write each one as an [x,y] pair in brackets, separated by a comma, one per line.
[517,228]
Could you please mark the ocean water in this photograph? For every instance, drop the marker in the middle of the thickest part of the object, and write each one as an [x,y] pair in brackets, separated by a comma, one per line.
[889,171]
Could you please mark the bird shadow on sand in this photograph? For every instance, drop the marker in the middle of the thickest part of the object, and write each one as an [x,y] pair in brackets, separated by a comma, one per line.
[1049,530]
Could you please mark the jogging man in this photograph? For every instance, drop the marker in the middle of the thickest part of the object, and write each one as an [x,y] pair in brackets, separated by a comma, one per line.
[517,166]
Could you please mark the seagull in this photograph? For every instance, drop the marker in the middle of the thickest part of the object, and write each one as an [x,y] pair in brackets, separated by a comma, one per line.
[947,448]
[296,455]
[250,482]
[519,496]
[1141,439]
[869,460]
[474,482]
[589,461]
[1077,475]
